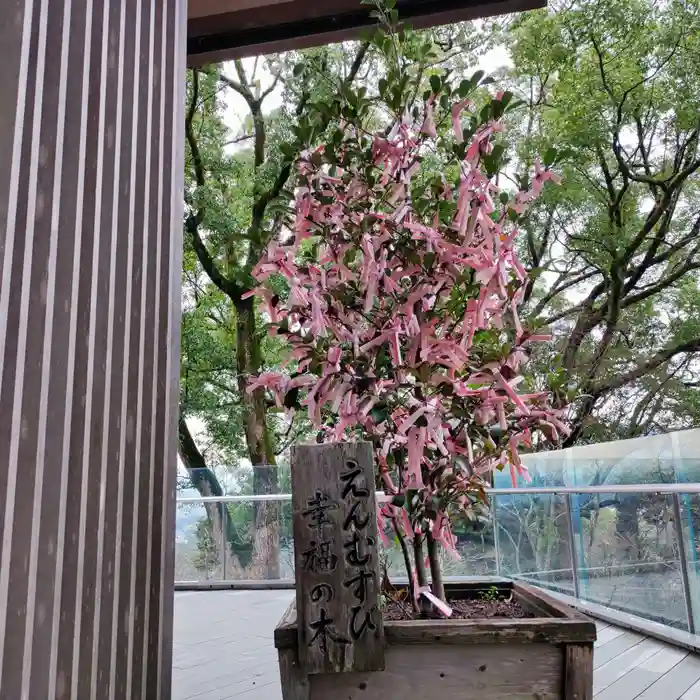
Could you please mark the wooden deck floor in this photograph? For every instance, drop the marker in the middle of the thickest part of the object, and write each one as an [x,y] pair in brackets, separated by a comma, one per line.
[223,650]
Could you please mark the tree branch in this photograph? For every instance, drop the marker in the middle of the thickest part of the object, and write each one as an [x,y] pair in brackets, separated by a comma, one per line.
[193,220]
[644,368]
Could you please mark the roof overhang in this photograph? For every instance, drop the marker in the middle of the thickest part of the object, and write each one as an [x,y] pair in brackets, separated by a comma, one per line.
[219,30]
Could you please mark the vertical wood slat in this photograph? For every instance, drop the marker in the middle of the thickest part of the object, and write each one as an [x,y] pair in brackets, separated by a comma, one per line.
[578,671]
[90,245]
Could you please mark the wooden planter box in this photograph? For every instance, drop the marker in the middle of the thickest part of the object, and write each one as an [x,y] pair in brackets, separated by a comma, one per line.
[548,657]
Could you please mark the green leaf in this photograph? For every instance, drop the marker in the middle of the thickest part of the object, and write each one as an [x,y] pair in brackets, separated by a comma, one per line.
[474,80]
[399,500]
[485,114]
[550,156]
[446,211]
[298,69]
[435,83]
[288,150]
[379,415]
[497,152]
[490,164]
[506,98]
[465,87]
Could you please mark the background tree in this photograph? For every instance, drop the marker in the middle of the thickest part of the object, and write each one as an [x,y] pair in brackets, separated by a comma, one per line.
[616,250]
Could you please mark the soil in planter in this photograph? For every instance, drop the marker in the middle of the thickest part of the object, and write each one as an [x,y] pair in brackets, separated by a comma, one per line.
[462,609]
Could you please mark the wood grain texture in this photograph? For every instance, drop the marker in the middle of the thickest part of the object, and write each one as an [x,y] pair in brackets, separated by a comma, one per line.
[578,671]
[539,658]
[91,206]
[295,682]
[340,627]
[254,28]
[482,672]
[500,631]
[550,605]
[289,619]
[677,683]
[578,629]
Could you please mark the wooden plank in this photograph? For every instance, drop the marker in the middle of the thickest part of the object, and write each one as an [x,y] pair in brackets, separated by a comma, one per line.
[643,676]
[460,632]
[676,682]
[289,619]
[554,607]
[621,644]
[465,632]
[285,634]
[693,693]
[340,626]
[482,672]
[608,634]
[578,671]
[238,28]
[295,682]
[608,673]
[468,632]
[533,604]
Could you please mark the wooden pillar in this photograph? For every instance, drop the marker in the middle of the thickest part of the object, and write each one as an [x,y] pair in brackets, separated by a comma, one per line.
[91,98]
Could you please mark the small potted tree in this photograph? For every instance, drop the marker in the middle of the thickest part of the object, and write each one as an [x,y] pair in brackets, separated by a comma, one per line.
[396,282]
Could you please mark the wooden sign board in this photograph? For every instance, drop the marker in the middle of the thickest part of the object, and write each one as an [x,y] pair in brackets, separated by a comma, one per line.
[336,558]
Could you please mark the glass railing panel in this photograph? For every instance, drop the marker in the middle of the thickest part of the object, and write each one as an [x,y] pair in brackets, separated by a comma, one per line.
[198,542]
[628,556]
[260,545]
[627,550]
[689,518]
[474,553]
[234,541]
[533,540]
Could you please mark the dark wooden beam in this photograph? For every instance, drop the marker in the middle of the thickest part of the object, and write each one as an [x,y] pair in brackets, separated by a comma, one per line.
[297,24]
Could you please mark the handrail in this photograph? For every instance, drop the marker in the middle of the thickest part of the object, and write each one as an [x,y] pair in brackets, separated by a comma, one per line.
[509,491]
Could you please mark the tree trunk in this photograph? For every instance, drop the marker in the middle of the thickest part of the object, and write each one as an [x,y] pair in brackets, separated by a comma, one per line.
[412,592]
[435,567]
[421,574]
[204,480]
[627,529]
[260,448]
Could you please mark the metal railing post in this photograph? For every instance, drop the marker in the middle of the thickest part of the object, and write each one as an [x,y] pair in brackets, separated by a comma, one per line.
[496,544]
[224,540]
[685,578]
[572,546]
